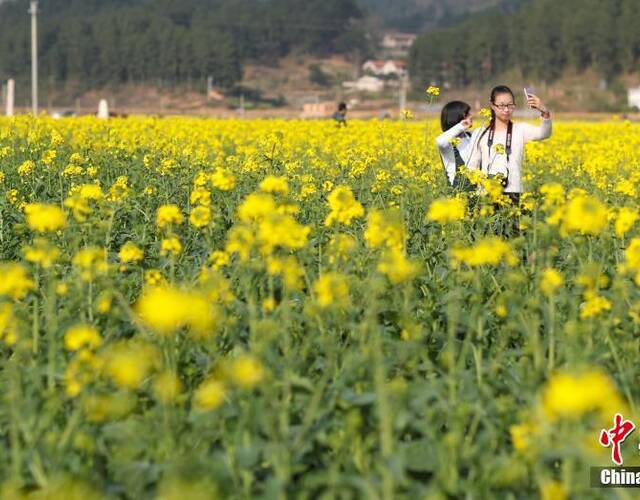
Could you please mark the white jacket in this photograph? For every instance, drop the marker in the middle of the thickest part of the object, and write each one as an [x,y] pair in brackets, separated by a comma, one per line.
[494,163]
[465,148]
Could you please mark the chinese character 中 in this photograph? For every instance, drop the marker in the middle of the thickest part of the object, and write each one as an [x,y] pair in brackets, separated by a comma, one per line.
[616,436]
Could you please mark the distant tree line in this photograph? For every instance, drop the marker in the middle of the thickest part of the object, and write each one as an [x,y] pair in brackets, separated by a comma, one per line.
[542,39]
[170,41]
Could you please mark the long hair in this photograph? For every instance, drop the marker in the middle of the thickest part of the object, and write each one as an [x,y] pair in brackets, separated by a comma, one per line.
[498,89]
[453,113]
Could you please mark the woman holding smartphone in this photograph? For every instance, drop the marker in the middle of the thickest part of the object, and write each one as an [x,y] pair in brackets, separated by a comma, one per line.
[456,143]
[500,149]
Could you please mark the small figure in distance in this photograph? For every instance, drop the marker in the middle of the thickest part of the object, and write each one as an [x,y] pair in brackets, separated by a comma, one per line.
[340,116]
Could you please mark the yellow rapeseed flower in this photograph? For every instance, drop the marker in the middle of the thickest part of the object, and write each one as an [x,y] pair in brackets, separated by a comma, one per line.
[395,265]
[223,179]
[168,215]
[8,325]
[551,280]
[167,387]
[488,251]
[385,230]
[200,216]
[14,280]
[447,210]
[594,305]
[569,395]
[45,218]
[130,252]
[332,288]
[256,207]
[625,220]
[209,395]
[246,371]
[91,262]
[80,336]
[273,184]
[344,207]
[553,490]
[170,246]
[42,253]
[584,215]
[129,362]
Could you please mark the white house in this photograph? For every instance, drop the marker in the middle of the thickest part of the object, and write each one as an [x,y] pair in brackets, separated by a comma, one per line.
[318,109]
[398,41]
[366,84]
[380,67]
[633,96]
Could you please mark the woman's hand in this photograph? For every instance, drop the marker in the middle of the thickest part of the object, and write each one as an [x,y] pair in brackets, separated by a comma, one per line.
[467,123]
[534,102]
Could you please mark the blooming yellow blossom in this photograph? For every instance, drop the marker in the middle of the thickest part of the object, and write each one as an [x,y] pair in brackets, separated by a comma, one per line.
[130,252]
[488,251]
[551,280]
[91,262]
[256,207]
[168,215]
[625,220]
[128,363]
[218,259]
[153,277]
[340,247]
[395,265]
[170,246]
[584,215]
[553,490]
[433,91]
[385,229]
[594,305]
[81,336]
[223,179]
[209,395]
[332,288]
[246,371]
[8,325]
[41,252]
[27,167]
[447,210]
[522,435]
[273,184]
[45,218]
[167,387]
[200,216]
[569,395]
[344,207]
[14,280]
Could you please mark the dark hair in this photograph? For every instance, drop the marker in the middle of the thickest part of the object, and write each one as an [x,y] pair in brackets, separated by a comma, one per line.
[453,113]
[342,106]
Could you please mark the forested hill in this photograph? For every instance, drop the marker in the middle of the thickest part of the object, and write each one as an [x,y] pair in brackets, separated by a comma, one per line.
[107,41]
[420,15]
[542,39]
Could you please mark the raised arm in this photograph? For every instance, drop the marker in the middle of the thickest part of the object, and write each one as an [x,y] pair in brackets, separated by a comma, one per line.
[532,133]
[539,133]
[443,140]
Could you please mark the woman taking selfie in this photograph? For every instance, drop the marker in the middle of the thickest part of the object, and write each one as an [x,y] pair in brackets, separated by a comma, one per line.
[456,143]
[500,150]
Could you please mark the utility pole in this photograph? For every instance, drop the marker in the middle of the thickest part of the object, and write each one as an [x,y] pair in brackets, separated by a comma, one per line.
[10,99]
[402,98]
[34,56]
[209,87]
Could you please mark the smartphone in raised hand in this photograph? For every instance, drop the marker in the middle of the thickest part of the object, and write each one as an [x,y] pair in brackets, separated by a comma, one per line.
[528,91]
